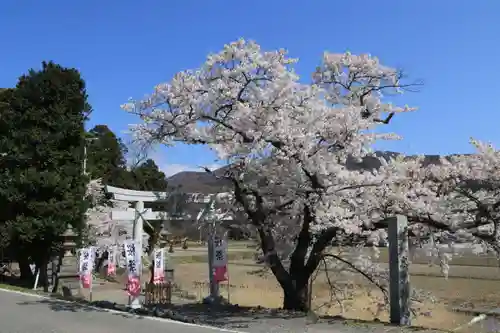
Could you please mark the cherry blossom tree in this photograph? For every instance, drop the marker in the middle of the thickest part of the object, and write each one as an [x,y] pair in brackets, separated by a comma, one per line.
[454,201]
[287,144]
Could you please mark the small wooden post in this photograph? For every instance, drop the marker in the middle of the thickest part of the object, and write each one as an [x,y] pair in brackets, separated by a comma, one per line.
[399,284]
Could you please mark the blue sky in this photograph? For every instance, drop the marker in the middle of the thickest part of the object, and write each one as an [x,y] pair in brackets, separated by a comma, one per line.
[124,48]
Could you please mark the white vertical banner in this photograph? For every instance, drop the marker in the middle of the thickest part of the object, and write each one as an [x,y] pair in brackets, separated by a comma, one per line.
[159,265]
[112,255]
[133,262]
[85,267]
[219,260]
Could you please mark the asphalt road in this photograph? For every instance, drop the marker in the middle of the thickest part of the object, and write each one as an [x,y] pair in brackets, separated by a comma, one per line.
[30,314]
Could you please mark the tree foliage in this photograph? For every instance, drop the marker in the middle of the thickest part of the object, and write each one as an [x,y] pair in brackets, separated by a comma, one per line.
[148,177]
[454,201]
[107,160]
[41,181]
[105,155]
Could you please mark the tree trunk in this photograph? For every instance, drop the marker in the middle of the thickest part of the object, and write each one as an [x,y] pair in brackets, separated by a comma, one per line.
[296,299]
[25,269]
[100,261]
[152,241]
[293,282]
[44,279]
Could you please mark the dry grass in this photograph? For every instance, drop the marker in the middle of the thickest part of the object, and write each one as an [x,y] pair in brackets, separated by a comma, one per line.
[232,244]
[250,288]
[474,282]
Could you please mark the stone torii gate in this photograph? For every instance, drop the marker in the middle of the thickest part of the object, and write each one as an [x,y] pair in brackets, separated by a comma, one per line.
[137,215]
[130,215]
[139,198]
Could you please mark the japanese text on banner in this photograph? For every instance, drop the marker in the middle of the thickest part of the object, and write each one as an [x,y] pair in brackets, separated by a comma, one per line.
[159,265]
[220,260]
[220,253]
[133,260]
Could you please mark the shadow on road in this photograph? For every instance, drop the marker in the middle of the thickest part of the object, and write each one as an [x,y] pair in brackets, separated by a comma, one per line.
[230,316]
[222,316]
[65,306]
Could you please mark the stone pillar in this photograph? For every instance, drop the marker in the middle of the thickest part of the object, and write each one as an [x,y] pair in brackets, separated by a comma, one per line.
[135,302]
[399,284]
[139,229]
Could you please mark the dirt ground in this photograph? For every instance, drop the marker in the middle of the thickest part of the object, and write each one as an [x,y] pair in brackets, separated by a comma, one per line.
[250,288]
[473,282]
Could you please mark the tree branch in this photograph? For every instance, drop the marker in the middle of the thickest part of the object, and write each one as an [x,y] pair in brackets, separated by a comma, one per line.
[358,270]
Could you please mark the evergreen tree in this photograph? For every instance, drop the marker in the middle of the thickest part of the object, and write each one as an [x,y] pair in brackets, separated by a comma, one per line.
[105,155]
[106,159]
[148,177]
[42,185]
